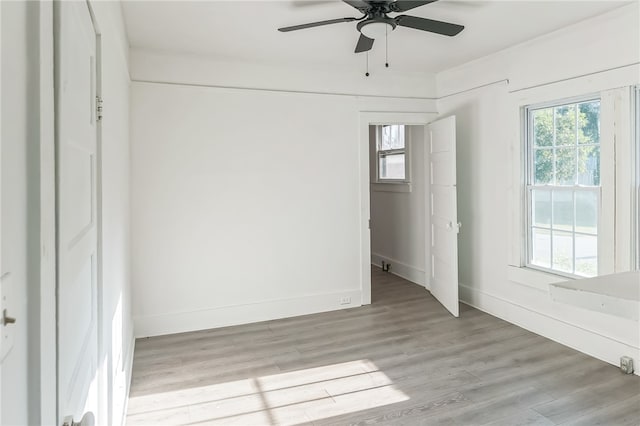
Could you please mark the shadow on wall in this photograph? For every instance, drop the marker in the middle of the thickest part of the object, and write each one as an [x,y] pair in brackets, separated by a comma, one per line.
[466,168]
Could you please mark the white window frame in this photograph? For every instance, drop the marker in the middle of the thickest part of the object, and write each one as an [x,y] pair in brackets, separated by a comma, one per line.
[530,186]
[407,156]
[615,236]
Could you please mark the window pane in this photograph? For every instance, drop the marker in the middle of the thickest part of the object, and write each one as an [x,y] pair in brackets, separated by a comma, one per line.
[392,137]
[392,166]
[541,202]
[586,255]
[563,251]
[543,166]
[564,151]
[563,210]
[589,165]
[541,247]
[543,127]
[565,166]
[589,122]
[586,212]
[566,125]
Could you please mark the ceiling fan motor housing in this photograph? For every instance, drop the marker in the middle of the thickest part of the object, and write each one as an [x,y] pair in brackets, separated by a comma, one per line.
[377,26]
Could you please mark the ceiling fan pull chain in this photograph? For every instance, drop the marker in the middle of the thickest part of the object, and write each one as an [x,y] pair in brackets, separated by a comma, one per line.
[386,47]
[367,73]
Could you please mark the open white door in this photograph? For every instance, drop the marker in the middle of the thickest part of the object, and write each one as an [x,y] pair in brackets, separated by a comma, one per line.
[444,213]
[75,84]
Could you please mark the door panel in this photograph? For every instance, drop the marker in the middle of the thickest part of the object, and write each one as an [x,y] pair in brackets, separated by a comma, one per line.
[441,173]
[443,214]
[443,201]
[76,209]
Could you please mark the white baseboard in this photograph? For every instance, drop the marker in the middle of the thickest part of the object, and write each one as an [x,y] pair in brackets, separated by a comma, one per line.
[571,335]
[408,272]
[128,368]
[128,374]
[180,322]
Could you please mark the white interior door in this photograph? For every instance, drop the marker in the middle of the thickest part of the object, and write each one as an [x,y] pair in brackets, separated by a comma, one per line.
[76,210]
[444,213]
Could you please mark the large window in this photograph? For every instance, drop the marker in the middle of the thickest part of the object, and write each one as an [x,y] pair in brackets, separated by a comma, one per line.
[392,154]
[563,186]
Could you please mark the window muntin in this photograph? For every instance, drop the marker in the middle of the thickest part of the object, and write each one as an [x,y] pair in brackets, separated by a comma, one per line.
[392,154]
[563,187]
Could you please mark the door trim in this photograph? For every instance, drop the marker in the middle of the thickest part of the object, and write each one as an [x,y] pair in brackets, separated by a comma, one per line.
[367,119]
[47,377]
[0,203]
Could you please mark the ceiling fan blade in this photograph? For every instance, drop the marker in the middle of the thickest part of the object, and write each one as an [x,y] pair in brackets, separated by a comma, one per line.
[315,24]
[438,27]
[404,5]
[364,44]
[361,5]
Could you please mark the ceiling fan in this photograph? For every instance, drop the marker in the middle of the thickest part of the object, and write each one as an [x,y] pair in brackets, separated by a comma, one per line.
[376,23]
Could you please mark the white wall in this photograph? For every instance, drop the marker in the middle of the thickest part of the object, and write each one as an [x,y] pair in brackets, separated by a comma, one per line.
[246,203]
[398,218]
[164,67]
[488,144]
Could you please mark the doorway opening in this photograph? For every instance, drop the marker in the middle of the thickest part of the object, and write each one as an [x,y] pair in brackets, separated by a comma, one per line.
[387,169]
[399,201]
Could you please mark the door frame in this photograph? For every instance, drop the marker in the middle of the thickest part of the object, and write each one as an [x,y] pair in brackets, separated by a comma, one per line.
[366,119]
[47,377]
[0,204]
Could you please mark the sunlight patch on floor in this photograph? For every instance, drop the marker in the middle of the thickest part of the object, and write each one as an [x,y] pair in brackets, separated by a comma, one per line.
[285,398]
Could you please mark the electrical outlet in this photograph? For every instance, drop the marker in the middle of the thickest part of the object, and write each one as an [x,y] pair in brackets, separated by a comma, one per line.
[345,301]
[626,365]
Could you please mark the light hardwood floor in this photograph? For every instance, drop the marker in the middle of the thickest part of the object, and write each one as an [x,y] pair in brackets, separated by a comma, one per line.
[401,360]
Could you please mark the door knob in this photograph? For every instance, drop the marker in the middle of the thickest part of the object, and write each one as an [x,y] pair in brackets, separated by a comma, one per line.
[87,420]
[7,319]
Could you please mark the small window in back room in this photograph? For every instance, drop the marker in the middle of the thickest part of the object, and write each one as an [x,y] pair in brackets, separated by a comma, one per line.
[392,154]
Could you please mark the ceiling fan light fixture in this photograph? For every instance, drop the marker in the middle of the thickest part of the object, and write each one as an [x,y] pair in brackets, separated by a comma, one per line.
[375,30]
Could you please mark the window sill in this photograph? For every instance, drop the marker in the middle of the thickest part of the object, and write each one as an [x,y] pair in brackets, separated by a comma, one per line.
[391,187]
[534,278]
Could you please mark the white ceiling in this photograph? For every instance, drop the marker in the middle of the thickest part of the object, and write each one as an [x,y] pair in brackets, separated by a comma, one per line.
[246,30]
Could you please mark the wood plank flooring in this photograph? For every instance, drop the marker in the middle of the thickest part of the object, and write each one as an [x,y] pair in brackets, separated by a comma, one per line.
[403,360]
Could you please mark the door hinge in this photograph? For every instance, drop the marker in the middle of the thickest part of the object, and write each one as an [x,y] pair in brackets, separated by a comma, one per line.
[98,108]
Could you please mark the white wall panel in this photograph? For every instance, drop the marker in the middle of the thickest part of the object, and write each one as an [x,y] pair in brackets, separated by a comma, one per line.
[242,199]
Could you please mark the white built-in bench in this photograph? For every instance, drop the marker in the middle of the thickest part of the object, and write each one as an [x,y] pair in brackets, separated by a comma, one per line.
[617,294]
